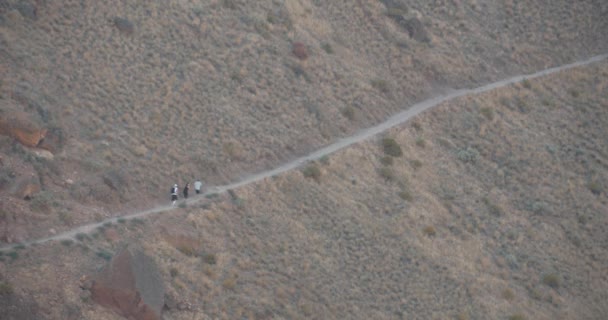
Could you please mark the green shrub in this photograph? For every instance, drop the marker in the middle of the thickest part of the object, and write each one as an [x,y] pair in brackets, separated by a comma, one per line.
[391,147]
[187,250]
[574,93]
[552,280]
[387,160]
[104,255]
[312,171]
[327,47]
[468,154]
[387,173]
[349,113]
[416,164]
[380,85]
[209,258]
[420,142]
[405,195]
[13,255]
[6,289]
[488,113]
[595,187]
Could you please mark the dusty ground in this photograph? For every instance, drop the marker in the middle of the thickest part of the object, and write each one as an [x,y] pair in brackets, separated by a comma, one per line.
[496,209]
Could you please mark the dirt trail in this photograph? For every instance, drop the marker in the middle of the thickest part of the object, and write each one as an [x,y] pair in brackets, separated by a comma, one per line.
[362,135]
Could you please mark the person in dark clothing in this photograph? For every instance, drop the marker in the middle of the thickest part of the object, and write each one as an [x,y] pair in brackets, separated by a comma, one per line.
[186,188]
[174,191]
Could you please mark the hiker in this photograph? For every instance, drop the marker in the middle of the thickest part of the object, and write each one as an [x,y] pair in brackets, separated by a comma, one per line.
[174,194]
[186,188]
[197,186]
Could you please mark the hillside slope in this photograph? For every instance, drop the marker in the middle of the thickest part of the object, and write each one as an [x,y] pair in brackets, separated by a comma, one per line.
[134,97]
[496,209]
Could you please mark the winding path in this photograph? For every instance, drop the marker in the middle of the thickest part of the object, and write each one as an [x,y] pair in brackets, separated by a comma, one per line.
[393,121]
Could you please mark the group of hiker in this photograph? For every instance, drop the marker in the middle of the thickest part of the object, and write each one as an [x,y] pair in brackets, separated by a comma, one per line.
[175,190]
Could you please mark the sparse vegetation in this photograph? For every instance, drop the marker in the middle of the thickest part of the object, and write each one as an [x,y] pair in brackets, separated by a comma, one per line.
[349,113]
[209,258]
[487,112]
[312,171]
[387,173]
[6,289]
[416,164]
[173,272]
[595,188]
[526,83]
[327,48]
[104,255]
[380,85]
[517,316]
[391,147]
[67,242]
[552,280]
[508,294]
[387,160]
[420,142]
[468,154]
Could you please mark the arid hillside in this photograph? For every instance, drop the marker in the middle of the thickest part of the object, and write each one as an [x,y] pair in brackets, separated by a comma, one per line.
[495,207]
[487,207]
[133,97]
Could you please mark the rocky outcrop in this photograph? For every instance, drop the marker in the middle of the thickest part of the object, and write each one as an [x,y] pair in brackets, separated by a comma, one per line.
[130,285]
[18,126]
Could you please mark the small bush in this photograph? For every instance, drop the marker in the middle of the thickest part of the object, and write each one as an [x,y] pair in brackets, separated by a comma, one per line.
[488,113]
[67,242]
[380,85]
[173,272]
[300,51]
[405,195]
[229,283]
[417,126]
[552,280]
[574,93]
[391,147]
[13,255]
[416,164]
[6,289]
[468,154]
[187,250]
[349,113]
[81,236]
[209,258]
[387,173]
[124,25]
[526,83]
[182,205]
[104,255]
[387,160]
[508,294]
[517,316]
[327,47]
[595,188]
[420,142]
[312,171]
[429,231]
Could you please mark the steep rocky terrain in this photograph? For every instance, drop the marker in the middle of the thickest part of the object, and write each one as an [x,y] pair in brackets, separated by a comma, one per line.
[495,210]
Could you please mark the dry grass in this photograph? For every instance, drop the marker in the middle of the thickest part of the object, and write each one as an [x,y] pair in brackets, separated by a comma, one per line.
[213,91]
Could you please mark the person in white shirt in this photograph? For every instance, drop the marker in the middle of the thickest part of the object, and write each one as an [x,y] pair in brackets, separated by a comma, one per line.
[197,186]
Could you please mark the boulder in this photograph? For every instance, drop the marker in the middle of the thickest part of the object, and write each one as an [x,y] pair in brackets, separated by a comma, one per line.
[131,285]
[18,126]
